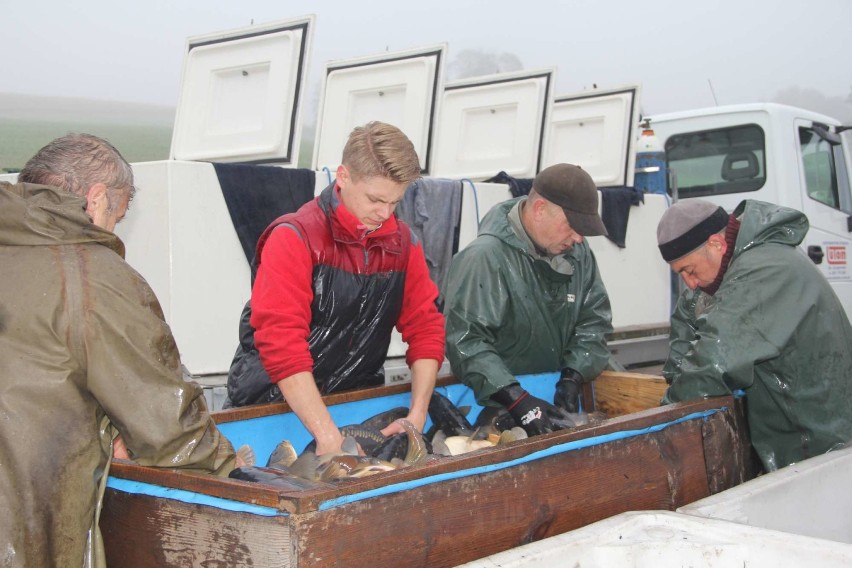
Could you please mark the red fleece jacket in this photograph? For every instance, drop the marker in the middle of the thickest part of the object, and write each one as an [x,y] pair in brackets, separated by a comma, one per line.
[283,293]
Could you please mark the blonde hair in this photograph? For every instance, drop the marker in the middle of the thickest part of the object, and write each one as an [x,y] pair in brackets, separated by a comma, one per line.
[378,149]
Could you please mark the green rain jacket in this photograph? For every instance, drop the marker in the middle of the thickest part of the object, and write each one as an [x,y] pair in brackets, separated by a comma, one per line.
[775,329]
[508,312]
[83,344]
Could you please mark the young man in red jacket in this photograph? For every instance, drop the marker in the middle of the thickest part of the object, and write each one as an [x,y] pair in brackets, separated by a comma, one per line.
[332,280]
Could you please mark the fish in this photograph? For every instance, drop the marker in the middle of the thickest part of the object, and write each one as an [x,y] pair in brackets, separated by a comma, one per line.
[458,445]
[343,466]
[409,446]
[306,466]
[394,447]
[447,417]
[384,419]
[439,444]
[368,437]
[494,420]
[512,435]
[283,456]
[277,477]
[418,450]
[486,434]
[347,463]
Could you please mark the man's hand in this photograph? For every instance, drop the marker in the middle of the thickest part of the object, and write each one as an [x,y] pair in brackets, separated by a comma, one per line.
[533,414]
[569,391]
[119,450]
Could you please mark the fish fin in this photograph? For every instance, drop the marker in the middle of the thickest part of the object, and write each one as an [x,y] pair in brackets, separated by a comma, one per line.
[284,454]
[439,446]
[306,466]
[349,446]
[246,454]
[417,451]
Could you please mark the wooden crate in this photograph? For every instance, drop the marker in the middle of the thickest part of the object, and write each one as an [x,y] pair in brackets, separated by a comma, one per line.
[437,514]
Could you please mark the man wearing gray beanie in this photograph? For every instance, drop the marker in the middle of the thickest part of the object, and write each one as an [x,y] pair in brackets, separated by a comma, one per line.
[758,316]
[526,297]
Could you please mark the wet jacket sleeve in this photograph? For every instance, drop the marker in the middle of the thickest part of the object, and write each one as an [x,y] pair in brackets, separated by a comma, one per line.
[586,351]
[681,335]
[718,343]
[477,298]
[420,322]
[281,305]
[133,370]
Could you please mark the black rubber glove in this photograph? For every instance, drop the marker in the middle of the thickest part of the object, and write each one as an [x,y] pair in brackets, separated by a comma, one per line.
[533,414]
[569,391]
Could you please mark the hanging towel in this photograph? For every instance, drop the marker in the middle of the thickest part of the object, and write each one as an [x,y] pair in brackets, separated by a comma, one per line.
[615,210]
[432,207]
[518,186]
[257,195]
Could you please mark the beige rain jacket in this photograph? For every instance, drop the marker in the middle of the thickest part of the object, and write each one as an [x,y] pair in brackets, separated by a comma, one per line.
[82,343]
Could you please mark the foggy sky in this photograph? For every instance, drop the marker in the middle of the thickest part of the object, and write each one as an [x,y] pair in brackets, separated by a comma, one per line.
[748,50]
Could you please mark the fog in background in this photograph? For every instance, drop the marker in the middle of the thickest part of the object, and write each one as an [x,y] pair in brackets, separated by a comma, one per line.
[683,54]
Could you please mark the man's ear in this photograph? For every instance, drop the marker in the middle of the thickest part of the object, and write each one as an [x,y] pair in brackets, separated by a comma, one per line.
[342,176]
[97,200]
[539,207]
[718,241]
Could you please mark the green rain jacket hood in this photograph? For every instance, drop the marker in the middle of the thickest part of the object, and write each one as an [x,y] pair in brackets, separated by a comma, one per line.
[509,313]
[84,353]
[775,329]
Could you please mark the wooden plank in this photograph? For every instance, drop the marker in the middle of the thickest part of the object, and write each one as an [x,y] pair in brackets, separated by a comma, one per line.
[141,531]
[619,393]
[730,458]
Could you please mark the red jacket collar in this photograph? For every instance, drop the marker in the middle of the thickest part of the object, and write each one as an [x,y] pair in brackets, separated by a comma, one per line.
[346,227]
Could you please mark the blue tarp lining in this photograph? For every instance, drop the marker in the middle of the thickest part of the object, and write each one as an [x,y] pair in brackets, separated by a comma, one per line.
[225,504]
[140,488]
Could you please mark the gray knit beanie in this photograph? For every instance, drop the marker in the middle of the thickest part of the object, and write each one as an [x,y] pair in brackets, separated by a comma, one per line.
[686,226]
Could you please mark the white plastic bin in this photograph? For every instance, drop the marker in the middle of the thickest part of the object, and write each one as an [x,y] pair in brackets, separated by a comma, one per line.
[662,539]
[811,498]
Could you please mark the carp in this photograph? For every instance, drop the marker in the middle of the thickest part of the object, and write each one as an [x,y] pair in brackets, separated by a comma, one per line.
[447,417]
[276,477]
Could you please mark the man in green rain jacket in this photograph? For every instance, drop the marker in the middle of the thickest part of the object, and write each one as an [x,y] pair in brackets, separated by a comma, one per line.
[526,297]
[758,316]
[84,355]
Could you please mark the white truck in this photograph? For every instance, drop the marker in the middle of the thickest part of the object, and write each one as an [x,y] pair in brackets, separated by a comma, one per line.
[775,153]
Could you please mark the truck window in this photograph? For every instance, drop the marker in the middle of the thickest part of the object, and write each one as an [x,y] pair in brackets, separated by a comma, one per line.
[719,161]
[823,163]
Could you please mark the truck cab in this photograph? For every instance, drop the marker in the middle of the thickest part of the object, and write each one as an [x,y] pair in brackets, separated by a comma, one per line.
[775,153]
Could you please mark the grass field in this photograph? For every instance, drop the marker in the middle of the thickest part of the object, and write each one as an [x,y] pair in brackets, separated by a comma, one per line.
[21,139]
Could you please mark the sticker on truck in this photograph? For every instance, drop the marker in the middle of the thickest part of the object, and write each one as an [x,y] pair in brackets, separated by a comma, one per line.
[837,260]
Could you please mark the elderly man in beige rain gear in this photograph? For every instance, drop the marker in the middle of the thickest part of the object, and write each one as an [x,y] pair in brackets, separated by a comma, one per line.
[84,355]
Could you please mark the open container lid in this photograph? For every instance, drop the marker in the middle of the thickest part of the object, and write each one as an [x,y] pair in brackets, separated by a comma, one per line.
[493,123]
[595,130]
[400,88]
[241,93]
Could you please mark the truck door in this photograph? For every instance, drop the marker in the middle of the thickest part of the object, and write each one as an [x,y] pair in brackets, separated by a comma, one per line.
[824,163]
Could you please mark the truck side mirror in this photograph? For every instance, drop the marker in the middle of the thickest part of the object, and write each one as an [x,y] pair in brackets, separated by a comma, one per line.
[815,253]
